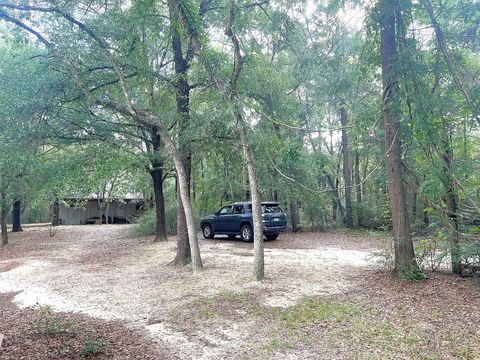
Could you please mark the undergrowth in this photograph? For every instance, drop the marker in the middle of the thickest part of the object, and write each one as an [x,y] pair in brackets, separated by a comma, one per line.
[49,323]
[91,348]
[53,325]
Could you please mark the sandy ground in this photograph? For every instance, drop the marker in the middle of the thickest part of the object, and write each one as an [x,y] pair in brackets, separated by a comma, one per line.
[98,271]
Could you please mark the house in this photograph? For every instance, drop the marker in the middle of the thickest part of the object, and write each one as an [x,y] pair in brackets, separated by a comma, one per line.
[76,210]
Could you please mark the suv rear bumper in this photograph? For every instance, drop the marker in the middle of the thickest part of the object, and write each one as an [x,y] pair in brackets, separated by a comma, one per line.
[273,229]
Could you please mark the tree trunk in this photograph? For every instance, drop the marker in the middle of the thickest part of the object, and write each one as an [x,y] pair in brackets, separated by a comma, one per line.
[156,172]
[336,203]
[160,227]
[341,209]
[452,203]
[183,188]
[365,174]
[3,219]
[183,247]
[101,206]
[16,216]
[258,251]
[346,169]
[334,209]
[404,253]
[295,216]
[358,188]
[55,213]
[182,96]
[107,210]
[456,257]
[414,206]
[426,218]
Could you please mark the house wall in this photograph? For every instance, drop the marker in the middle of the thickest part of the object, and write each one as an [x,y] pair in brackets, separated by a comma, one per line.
[78,215]
[70,215]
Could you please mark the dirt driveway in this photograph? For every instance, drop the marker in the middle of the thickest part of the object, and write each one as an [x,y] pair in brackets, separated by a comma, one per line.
[311,286]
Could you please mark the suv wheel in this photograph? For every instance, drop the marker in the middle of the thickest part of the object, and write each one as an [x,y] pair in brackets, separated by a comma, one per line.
[207,232]
[246,233]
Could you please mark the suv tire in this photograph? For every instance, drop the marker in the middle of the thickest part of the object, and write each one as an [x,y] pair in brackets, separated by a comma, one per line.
[246,233]
[207,231]
[272,236]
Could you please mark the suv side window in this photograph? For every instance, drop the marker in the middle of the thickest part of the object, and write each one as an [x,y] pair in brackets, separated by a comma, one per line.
[238,209]
[226,210]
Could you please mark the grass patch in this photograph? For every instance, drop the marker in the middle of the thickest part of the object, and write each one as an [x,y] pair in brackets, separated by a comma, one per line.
[49,323]
[206,313]
[204,308]
[370,332]
[465,352]
[368,329]
[308,311]
[92,348]
[236,297]
[275,344]
[311,311]
[387,338]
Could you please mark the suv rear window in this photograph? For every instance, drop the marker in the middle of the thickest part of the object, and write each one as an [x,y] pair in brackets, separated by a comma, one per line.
[266,209]
[271,209]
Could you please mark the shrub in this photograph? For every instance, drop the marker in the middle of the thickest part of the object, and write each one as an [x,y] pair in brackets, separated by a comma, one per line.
[413,273]
[432,252]
[470,255]
[92,348]
[49,323]
[384,258]
[144,224]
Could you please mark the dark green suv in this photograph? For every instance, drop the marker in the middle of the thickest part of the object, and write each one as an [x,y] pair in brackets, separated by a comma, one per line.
[236,219]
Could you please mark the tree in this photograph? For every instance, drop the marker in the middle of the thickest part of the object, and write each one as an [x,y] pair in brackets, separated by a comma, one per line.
[158,177]
[182,98]
[3,218]
[232,100]
[16,214]
[404,252]
[346,169]
[20,132]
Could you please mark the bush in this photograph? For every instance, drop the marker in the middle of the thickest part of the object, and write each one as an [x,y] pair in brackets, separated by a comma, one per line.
[144,224]
[435,252]
[432,252]
[49,323]
[470,255]
[374,213]
[92,348]
[384,258]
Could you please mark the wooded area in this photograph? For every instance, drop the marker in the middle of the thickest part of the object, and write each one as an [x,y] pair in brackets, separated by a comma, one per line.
[125,123]
[198,103]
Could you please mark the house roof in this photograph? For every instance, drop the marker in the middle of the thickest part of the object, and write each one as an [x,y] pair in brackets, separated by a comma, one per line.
[93,196]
